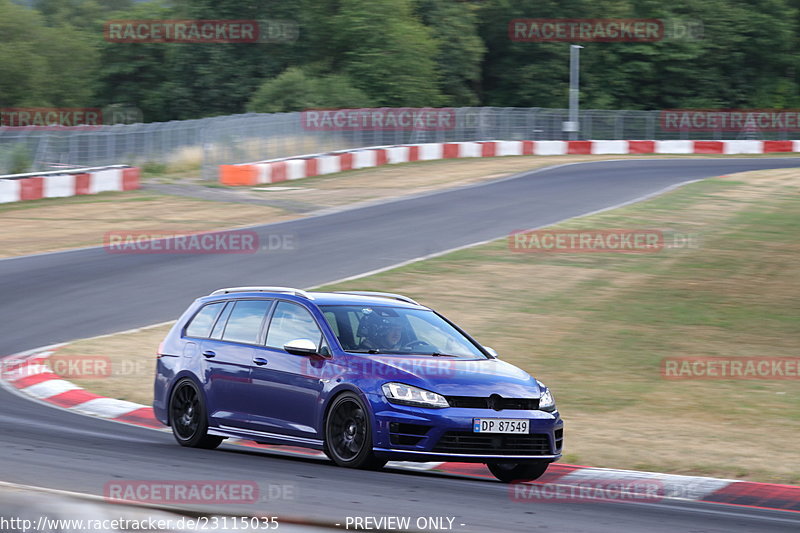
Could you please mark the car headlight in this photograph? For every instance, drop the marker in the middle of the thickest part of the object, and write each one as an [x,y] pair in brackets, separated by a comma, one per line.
[546,400]
[408,395]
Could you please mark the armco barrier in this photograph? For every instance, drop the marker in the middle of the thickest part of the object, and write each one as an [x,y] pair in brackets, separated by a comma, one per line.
[277,170]
[58,184]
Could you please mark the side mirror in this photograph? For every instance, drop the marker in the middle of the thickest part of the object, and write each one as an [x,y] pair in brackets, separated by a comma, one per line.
[301,347]
[492,352]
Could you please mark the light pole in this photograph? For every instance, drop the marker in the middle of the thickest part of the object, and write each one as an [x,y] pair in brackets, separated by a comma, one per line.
[572,125]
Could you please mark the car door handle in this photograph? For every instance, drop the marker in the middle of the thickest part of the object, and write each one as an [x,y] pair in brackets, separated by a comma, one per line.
[209,354]
[260,361]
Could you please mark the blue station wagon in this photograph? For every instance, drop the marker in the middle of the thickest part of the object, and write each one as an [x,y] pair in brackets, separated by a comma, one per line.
[366,377]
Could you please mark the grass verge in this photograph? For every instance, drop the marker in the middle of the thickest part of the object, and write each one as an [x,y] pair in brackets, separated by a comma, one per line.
[63,223]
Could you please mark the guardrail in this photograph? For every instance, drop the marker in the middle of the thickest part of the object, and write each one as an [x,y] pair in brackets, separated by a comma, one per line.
[75,182]
[277,170]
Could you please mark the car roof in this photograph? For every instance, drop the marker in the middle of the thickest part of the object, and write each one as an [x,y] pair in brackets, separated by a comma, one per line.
[319,297]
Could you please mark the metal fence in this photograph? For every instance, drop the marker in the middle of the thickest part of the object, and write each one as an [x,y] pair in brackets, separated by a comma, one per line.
[206,143]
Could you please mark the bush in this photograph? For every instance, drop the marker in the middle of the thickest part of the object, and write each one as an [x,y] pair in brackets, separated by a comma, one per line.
[153,169]
[296,90]
[15,159]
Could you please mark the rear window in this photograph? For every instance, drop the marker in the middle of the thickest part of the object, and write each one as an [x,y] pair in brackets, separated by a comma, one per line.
[219,327]
[201,324]
[244,324]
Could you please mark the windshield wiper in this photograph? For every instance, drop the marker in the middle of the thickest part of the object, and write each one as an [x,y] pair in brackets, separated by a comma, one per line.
[374,351]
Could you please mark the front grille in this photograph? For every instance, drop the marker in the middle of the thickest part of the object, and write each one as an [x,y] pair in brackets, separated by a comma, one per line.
[559,438]
[403,434]
[466,442]
[474,402]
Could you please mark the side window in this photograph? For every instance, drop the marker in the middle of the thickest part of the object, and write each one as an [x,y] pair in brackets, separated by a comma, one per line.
[331,318]
[201,324]
[355,320]
[289,322]
[244,323]
[216,333]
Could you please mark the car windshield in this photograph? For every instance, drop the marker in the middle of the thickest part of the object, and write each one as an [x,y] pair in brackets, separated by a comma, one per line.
[397,330]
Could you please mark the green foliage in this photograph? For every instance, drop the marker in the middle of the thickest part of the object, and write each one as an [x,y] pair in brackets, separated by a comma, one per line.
[295,90]
[40,65]
[152,169]
[136,73]
[353,53]
[15,159]
[218,79]
[85,14]
[454,25]
[747,57]
[386,51]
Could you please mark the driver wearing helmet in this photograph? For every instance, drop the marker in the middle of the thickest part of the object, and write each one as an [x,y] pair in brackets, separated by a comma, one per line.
[381,332]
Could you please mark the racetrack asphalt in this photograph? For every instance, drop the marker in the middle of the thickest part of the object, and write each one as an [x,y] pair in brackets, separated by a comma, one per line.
[62,296]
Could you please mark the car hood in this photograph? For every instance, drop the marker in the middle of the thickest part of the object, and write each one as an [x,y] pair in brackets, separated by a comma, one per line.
[449,376]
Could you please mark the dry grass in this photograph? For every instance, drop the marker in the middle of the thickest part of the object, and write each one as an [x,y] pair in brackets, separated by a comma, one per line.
[131,358]
[64,223]
[83,221]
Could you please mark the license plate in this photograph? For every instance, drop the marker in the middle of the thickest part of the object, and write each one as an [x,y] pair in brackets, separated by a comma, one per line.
[500,425]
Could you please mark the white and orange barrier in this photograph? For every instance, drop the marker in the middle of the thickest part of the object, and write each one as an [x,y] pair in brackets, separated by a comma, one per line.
[292,168]
[76,182]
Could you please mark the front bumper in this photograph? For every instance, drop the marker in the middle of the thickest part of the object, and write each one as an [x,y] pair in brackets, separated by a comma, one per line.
[407,433]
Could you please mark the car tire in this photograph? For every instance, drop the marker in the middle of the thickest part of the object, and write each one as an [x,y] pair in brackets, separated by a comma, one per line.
[348,434]
[517,472]
[188,417]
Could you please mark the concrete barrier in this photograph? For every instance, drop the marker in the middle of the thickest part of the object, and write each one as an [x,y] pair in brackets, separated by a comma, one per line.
[60,184]
[292,168]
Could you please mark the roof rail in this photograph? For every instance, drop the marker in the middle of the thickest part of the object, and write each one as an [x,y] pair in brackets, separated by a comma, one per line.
[286,290]
[391,295]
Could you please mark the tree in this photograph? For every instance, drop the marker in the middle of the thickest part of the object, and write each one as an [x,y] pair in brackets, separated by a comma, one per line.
[459,48]
[216,79]
[135,74]
[386,51]
[746,58]
[520,74]
[295,90]
[83,14]
[41,66]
